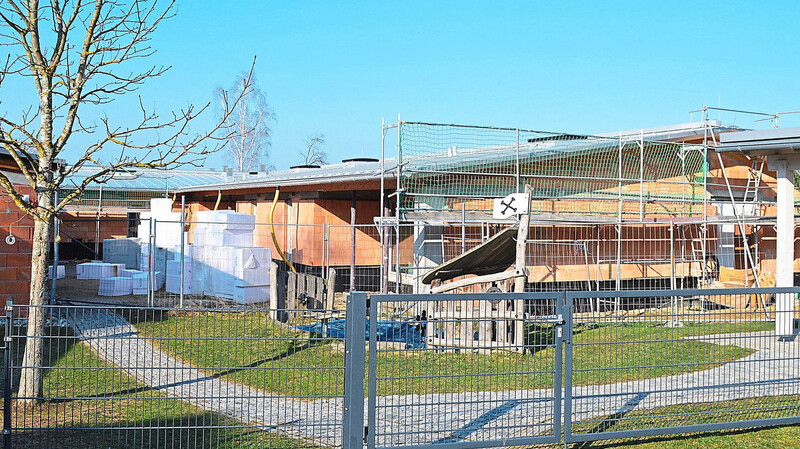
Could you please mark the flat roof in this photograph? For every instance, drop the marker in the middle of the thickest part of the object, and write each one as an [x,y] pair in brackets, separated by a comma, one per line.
[761,142]
[153,180]
[341,172]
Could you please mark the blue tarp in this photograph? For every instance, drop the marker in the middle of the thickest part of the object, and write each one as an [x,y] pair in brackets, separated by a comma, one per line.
[395,331]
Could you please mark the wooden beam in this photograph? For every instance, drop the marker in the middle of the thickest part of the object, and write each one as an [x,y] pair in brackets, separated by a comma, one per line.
[522,243]
[495,277]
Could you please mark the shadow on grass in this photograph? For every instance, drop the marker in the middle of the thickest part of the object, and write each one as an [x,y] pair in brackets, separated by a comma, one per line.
[294,348]
[689,440]
[202,430]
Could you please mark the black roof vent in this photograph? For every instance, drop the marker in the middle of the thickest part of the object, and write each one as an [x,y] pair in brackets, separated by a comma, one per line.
[360,159]
[304,166]
[558,137]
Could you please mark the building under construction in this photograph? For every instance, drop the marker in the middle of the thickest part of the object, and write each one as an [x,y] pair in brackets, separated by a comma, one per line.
[647,209]
[654,208]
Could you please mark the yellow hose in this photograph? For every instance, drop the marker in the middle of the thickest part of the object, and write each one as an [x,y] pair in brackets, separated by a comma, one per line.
[219,197]
[272,230]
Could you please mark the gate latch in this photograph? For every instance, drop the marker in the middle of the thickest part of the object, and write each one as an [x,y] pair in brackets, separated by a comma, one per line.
[559,322]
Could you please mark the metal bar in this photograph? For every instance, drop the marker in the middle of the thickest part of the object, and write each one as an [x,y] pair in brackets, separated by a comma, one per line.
[97,225]
[7,375]
[56,240]
[151,281]
[518,168]
[681,429]
[355,353]
[463,228]
[373,369]
[563,334]
[399,193]
[353,241]
[641,174]
[183,249]
[568,366]
[384,212]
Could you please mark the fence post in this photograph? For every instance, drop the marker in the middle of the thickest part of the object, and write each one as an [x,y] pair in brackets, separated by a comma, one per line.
[354,371]
[9,318]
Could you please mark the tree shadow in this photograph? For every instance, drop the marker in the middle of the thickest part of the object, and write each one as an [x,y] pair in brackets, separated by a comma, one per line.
[198,430]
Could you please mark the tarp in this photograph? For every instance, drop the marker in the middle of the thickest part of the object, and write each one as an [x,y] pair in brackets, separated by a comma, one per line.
[493,256]
[392,331]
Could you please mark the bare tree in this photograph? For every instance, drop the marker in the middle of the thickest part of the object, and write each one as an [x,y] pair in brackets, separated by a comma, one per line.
[248,123]
[313,152]
[78,55]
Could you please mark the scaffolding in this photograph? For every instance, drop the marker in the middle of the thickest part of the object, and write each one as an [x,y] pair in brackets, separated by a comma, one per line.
[608,213]
[447,167]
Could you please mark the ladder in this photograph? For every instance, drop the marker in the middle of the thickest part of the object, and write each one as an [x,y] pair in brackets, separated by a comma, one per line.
[753,183]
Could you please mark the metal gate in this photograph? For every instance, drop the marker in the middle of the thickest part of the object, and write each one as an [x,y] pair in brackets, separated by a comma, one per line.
[442,370]
[467,370]
[646,363]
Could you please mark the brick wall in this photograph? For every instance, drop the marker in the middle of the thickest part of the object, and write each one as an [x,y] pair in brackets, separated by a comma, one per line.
[15,258]
[83,226]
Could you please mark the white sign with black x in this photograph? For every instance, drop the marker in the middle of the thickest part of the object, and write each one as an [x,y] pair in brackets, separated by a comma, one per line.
[514,204]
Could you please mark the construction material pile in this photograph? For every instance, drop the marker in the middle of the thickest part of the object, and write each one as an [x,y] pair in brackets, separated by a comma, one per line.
[224,262]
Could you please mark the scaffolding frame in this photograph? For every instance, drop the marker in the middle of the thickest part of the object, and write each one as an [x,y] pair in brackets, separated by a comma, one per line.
[684,202]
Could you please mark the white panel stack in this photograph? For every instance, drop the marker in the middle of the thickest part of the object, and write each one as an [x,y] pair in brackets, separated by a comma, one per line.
[130,273]
[118,268]
[218,220]
[115,286]
[61,272]
[167,227]
[228,271]
[209,237]
[96,270]
[174,276]
[251,267]
[217,271]
[222,261]
[124,251]
[224,228]
[146,258]
[140,282]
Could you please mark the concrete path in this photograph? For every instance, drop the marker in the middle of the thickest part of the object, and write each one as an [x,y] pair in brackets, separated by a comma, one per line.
[774,369]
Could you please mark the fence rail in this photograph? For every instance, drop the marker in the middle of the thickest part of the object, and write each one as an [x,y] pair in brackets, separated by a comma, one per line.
[403,371]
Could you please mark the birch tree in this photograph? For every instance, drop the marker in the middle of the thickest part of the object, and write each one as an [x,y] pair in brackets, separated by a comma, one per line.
[313,152]
[248,124]
[82,55]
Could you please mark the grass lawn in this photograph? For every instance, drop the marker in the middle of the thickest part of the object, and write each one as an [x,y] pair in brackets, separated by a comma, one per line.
[701,413]
[248,348]
[90,405]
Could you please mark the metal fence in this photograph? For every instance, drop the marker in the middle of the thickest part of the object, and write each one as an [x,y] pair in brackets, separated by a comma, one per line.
[404,371]
[678,362]
[394,258]
[474,371]
[167,378]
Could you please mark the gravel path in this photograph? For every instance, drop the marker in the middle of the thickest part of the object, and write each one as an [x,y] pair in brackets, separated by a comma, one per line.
[416,419]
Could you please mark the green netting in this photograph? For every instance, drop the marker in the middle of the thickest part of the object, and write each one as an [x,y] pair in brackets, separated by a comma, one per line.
[445,166]
[116,199]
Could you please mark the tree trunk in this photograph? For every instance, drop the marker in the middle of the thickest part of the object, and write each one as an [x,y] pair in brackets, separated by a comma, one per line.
[31,380]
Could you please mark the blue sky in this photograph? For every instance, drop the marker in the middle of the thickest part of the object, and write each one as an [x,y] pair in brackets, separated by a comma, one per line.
[588,67]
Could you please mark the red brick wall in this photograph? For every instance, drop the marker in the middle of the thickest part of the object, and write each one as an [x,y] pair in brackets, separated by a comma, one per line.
[15,259]
[83,226]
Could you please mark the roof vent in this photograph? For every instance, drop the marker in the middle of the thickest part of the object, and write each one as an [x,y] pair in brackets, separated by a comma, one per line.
[303,166]
[360,159]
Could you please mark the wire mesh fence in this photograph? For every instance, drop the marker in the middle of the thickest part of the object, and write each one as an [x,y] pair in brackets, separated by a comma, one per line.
[447,167]
[469,368]
[327,261]
[670,365]
[166,378]
[439,370]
